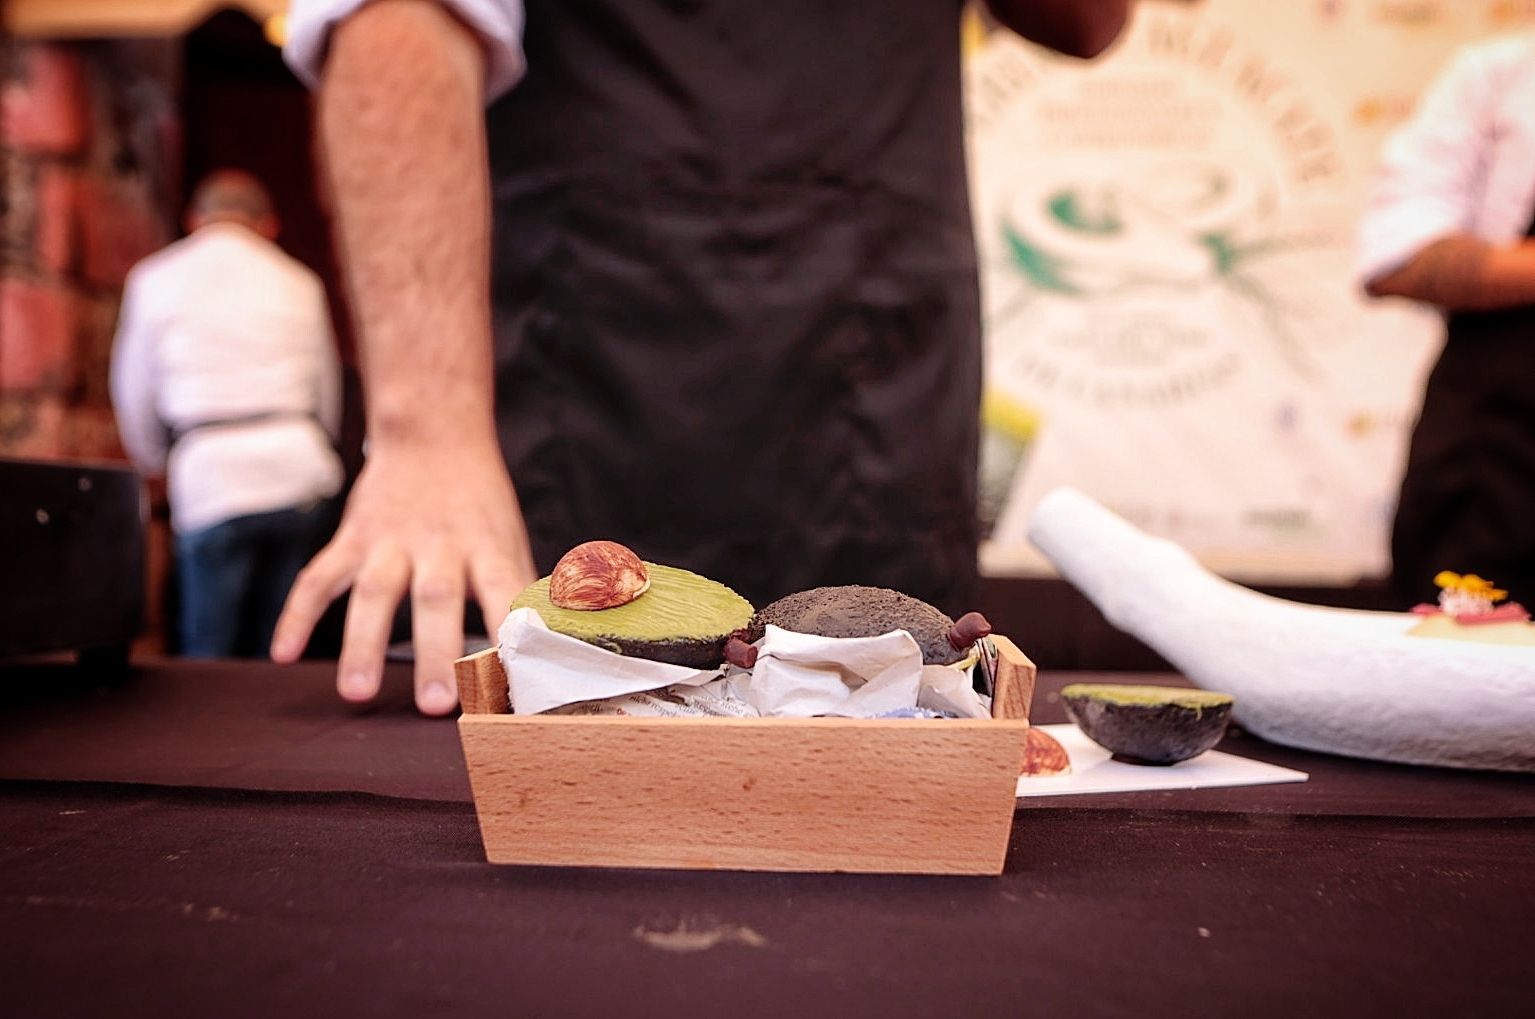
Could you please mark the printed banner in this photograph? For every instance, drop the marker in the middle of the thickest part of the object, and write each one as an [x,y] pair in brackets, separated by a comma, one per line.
[1166,238]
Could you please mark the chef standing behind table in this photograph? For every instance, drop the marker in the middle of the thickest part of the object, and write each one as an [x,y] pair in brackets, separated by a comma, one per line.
[1451,222]
[225,378]
[734,317]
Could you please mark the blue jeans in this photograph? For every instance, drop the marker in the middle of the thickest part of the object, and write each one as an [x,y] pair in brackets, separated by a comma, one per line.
[235,576]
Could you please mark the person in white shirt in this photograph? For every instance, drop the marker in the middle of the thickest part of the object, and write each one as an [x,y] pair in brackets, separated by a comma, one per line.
[225,379]
[1451,223]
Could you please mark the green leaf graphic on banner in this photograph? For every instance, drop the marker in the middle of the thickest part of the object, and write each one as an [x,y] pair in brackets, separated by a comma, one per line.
[1229,256]
[1067,209]
[1042,269]
[1225,253]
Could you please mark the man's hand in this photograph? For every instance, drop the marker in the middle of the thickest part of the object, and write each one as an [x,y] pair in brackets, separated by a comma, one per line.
[438,520]
[402,133]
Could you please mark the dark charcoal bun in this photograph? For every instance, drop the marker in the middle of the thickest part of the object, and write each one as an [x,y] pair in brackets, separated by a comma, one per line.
[857,611]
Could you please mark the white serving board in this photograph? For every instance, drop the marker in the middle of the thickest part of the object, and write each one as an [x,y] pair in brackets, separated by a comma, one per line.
[1093,770]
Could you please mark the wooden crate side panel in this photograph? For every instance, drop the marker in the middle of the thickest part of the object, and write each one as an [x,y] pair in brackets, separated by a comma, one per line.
[757,794]
[1015,681]
[482,688]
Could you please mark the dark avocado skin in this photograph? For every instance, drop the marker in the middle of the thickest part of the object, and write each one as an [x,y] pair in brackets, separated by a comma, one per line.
[1149,733]
[854,610]
[694,654]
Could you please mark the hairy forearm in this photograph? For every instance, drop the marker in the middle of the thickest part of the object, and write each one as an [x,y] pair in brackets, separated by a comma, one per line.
[402,139]
[1079,28]
[1462,273]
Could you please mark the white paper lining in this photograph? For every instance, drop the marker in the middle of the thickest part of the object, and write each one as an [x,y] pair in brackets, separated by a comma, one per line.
[796,675]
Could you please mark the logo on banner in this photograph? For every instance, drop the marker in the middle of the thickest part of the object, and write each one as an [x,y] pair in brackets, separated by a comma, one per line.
[1124,252]
[1126,259]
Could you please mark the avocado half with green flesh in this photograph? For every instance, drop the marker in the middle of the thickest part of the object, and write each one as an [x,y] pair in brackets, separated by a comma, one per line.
[857,611]
[1148,724]
[682,618]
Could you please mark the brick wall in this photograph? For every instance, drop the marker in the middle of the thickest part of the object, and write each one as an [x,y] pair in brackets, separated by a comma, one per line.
[89,144]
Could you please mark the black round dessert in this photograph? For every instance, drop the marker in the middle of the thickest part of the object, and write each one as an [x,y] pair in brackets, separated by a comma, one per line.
[1148,724]
[854,610]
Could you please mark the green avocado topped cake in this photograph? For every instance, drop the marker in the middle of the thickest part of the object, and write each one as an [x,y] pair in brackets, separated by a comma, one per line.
[1148,724]
[604,594]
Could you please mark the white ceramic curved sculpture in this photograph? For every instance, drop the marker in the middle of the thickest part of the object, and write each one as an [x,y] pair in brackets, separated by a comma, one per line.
[1336,680]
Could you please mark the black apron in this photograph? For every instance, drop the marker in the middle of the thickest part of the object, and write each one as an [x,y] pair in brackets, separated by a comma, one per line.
[1468,496]
[737,314]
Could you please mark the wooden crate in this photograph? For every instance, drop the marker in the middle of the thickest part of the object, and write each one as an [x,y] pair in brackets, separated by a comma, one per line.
[906,796]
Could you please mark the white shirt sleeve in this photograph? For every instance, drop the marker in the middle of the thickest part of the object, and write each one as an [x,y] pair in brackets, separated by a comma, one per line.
[134,378]
[497,22]
[1432,170]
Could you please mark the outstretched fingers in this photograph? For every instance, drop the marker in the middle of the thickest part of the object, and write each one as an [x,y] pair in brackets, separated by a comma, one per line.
[379,588]
[437,629]
[322,581]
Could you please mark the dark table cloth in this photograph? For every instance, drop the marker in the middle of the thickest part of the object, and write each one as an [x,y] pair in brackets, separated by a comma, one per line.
[230,839]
